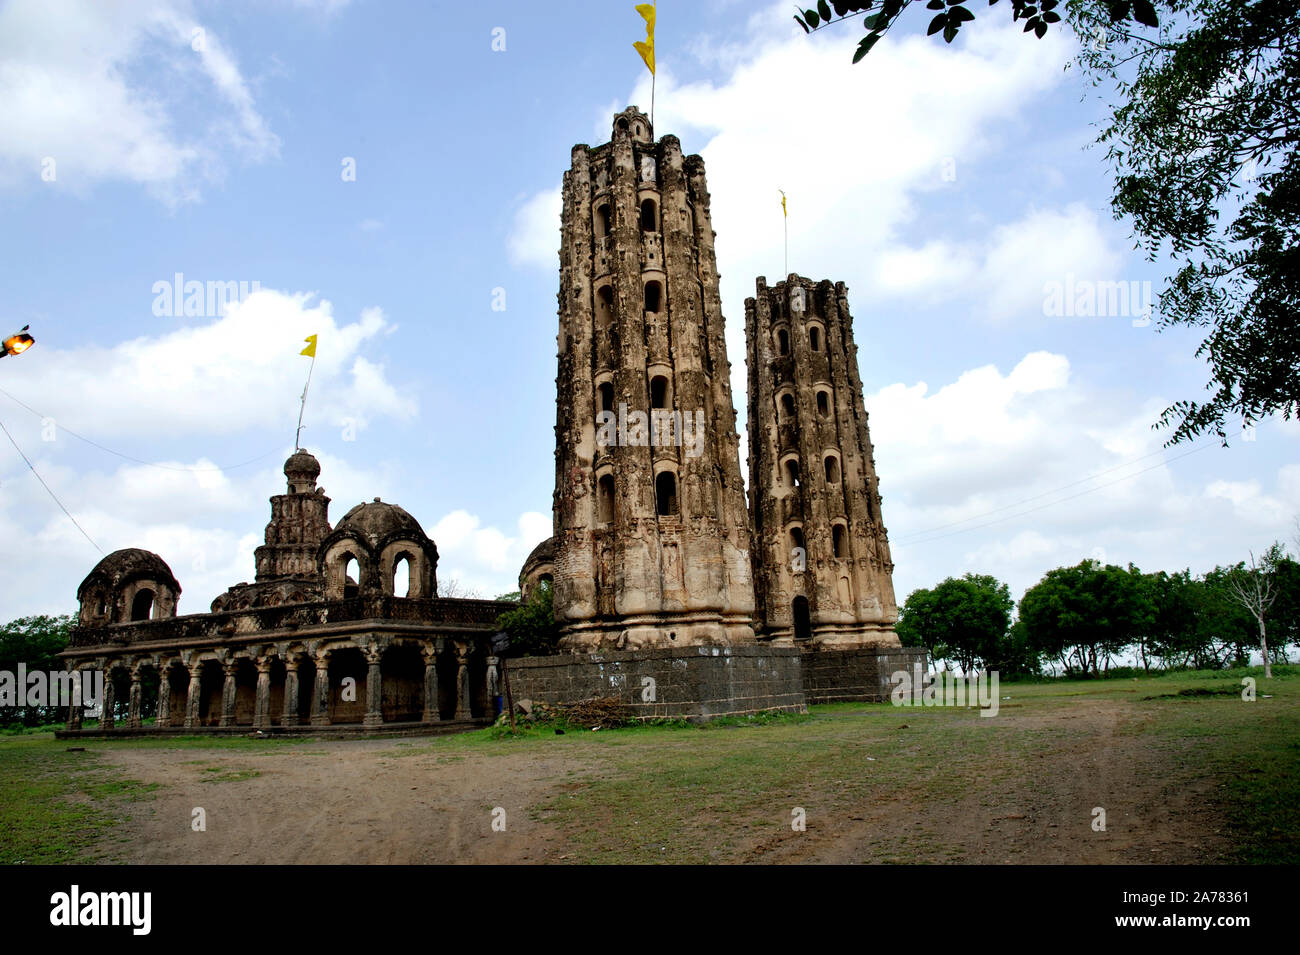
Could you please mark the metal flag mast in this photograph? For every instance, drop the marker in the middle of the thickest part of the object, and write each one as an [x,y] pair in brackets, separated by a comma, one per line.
[646,48]
[309,350]
[785,227]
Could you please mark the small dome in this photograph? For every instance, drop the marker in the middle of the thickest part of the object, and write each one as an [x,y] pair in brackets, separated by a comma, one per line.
[543,553]
[378,521]
[131,563]
[540,564]
[302,464]
[302,469]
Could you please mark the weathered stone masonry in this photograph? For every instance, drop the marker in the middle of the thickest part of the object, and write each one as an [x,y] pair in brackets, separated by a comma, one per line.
[822,565]
[651,540]
[306,647]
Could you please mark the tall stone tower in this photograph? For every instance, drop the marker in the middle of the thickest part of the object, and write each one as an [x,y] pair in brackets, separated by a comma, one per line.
[651,528]
[822,568]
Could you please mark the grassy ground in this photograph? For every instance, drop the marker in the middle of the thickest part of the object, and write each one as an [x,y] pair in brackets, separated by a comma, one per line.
[951,783]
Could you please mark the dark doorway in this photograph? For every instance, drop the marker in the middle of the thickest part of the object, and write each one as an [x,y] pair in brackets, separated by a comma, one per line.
[802,620]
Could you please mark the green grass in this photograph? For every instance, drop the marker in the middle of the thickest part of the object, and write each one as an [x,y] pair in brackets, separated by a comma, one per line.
[56,806]
[679,792]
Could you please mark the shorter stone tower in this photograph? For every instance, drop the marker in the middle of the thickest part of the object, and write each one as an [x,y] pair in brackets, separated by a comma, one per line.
[286,563]
[299,522]
[822,567]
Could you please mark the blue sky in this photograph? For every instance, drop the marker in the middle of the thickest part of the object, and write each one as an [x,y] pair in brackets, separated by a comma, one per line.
[948,186]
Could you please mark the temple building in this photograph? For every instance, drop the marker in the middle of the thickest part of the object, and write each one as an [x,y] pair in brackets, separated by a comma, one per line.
[670,590]
[324,639]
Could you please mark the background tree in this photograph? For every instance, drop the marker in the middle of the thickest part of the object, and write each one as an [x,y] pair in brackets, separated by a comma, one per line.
[918,625]
[1015,656]
[1175,635]
[532,627]
[36,642]
[1225,628]
[455,587]
[1284,628]
[1255,588]
[1202,142]
[1083,615]
[963,619]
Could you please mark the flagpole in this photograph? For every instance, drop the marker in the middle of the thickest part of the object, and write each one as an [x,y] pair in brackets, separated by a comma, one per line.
[653,77]
[785,229]
[301,407]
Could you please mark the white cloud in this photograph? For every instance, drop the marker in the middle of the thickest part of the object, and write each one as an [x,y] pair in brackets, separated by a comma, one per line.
[1013,474]
[535,238]
[72,90]
[223,376]
[486,558]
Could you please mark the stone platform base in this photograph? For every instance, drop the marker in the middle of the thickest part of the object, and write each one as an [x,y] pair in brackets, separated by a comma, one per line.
[860,674]
[692,683]
[333,731]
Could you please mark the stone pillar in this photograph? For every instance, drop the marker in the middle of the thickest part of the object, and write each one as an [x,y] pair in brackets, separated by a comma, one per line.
[164,694]
[320,701]
[374,689]
[74,704]
[228,689]
[432,713]
[106,706]
[134,720]
[463,710]
[262,706]
[290,716]
[193,696]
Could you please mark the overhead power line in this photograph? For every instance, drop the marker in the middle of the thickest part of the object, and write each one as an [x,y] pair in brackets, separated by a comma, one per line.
[128,457]
[48,490]
[912,538]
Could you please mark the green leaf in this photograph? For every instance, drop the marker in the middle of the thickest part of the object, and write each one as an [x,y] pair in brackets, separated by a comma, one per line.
[935,5]
[1144,12]
[950,33]
[1041,29]
[1050,17]
[960,15]
[824,9]
[812,18]
[799,20]
[937,24]
[865,46]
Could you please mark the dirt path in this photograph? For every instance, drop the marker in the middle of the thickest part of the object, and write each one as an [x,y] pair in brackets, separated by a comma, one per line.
[405,801]
[1038,814]
[348,801]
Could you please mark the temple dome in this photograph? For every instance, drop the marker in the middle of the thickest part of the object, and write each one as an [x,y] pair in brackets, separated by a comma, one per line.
[377,521]
[129,564]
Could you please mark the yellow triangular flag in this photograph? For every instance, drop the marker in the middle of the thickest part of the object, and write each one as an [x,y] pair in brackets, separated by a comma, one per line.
[310,350]
[783,211]
[647,49]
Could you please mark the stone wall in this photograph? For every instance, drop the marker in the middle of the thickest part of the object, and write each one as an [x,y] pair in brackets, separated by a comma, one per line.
[693,683]
[859,674]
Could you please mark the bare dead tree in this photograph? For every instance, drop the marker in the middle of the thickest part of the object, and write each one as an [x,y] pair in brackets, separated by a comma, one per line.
[454,587]
[1254,589]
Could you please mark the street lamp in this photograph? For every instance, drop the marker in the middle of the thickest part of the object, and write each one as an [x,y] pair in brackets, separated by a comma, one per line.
[17,343]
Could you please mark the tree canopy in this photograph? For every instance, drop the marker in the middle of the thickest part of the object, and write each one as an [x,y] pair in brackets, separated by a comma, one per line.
[1202,143]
